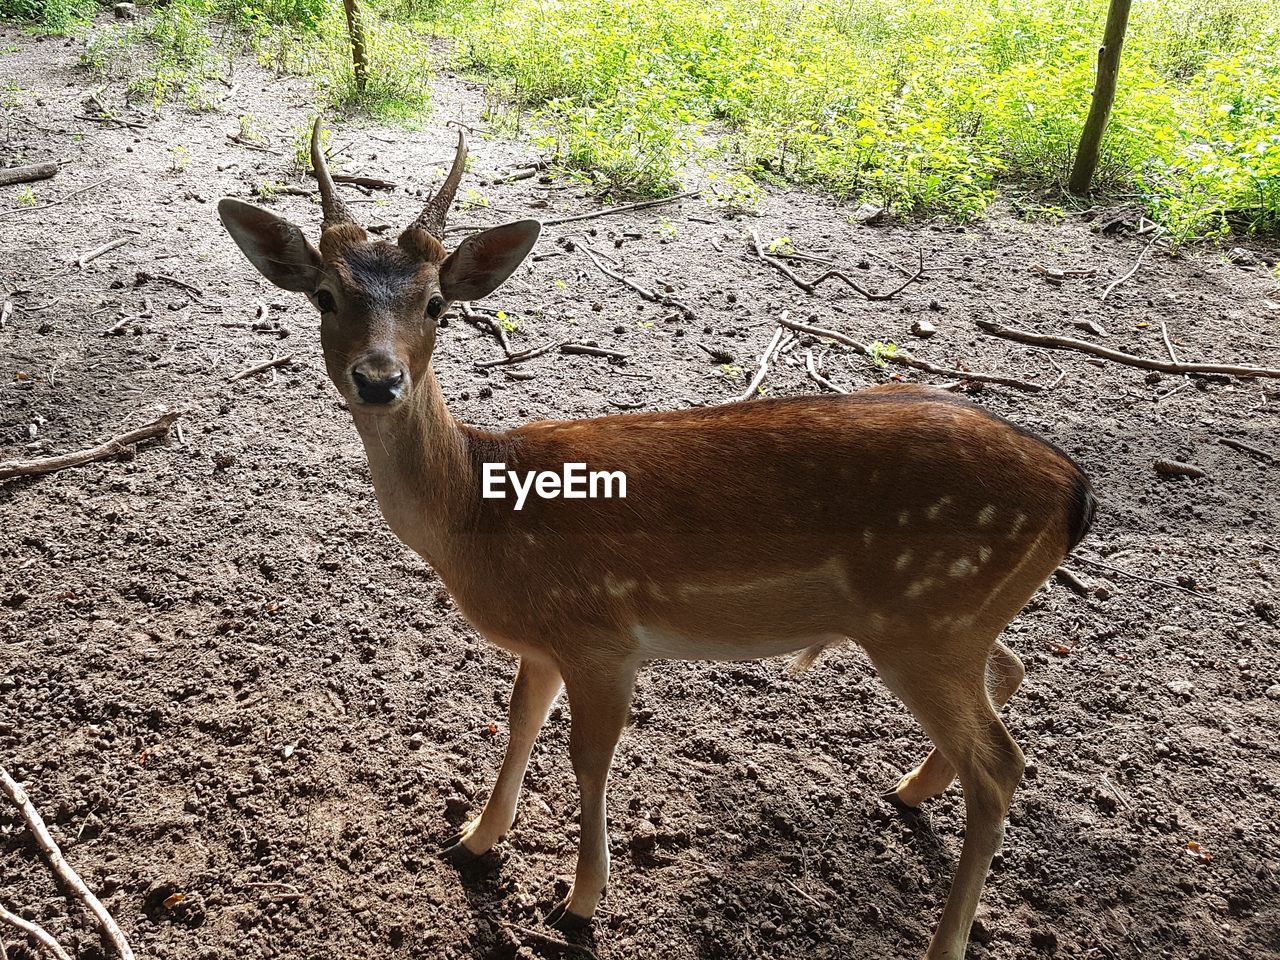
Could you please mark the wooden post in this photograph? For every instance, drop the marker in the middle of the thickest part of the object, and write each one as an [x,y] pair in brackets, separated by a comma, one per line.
[1104,94]
[355,28]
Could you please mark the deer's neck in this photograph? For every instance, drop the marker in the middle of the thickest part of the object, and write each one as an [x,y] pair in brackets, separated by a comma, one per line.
[423,473]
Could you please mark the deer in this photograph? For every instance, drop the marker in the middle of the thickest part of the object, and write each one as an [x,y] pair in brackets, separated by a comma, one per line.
[900,517]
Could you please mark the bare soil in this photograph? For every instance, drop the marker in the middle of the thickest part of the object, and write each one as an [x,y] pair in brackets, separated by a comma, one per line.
[222,676]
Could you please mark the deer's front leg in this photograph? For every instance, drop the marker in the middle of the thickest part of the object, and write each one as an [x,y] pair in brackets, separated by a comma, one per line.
[599,701]
[536,686]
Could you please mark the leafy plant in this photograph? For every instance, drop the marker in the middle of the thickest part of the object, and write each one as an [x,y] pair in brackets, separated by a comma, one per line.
[880,352]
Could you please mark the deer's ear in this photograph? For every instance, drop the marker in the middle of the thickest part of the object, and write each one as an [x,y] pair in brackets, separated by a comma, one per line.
[273,245]
[483,262]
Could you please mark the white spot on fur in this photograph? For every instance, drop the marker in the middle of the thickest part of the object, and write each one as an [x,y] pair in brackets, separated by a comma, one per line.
[962,567]
[986,514]
[984,554]
[903,561]
[867,534]
[1018,523]
[917,587]
[903,517]
[936,508]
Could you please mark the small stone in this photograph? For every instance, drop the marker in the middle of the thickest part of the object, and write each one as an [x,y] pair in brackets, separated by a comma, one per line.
[125,11]
[923,329]
[1273,691]
[1090,326]
[417,741]
[1183,688]
[1242,257]
[869,213]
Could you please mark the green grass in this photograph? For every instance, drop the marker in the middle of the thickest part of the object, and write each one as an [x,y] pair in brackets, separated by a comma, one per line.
[925,105]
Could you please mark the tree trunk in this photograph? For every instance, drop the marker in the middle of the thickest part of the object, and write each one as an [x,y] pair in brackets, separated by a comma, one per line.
[1104,94]
[355,28]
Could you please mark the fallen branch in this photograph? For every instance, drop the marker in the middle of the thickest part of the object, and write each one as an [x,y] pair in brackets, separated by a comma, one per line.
[371,183]
[54,203]
[1134,269]
[58,863]
[112,448]
[590,351]
[810,286]
[262,367]
[1241,445]
[520,357]
[250,145]
[765,359]
[28,174]
[650,295]
[6,311]
[812,370]
[1068,579]
[549,941]
[38,934]
[96,252]
[1159,583]
[1083,346]
[625,208]
[480,321]
[905,359]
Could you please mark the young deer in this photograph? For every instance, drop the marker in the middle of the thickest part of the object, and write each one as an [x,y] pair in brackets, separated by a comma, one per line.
[912,522]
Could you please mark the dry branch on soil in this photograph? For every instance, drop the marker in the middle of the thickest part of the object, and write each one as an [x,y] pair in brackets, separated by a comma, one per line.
[1168,585]
[905,359]
[96,252]
[37,933]
[54,203]
[58,863]
[1241,445]
[28,174]
[1134,269]
[811,369]
[1083,346]
[112,448]
[809,286]
[1175,468]
[651,295]
[765,359]
[262,367]
[625,208]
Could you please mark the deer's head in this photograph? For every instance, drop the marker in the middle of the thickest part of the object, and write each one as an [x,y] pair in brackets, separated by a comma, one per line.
[379,301]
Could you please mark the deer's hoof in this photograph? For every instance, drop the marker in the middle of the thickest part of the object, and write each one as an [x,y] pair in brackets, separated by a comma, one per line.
[455,852]
[899,804]
[564,919]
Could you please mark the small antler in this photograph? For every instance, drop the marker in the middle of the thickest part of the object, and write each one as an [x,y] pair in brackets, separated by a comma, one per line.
[335,211]
[436,211]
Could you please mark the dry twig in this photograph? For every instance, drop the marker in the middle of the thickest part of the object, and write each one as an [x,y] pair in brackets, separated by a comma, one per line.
[809,286]
[112,448]
[590,351]
[520,357]
[27,174]
[625,208]
[765,359]
[54,203]
[1241,445]
[37,933]
[549,941]
[1083,346]
[905,359]
[96,252]
[1175,468]
[812,370]
[1136,264]
[651,295]
[58,864]
[262,367]
[480,321]
[1168,585]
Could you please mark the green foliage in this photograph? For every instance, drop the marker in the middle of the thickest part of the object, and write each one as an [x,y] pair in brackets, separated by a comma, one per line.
[54,16]
[923,105]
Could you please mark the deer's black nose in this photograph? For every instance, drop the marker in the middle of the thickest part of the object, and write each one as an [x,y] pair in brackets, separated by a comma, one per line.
[376,384]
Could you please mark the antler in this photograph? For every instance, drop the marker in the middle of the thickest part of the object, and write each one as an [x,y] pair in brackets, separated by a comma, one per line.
[436,211]
[335,211]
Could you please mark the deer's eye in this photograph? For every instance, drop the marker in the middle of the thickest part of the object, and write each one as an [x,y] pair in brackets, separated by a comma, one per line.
[435,306]
[324,300]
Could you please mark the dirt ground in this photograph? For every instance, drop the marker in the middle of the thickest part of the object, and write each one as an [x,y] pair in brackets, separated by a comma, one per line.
[222,676]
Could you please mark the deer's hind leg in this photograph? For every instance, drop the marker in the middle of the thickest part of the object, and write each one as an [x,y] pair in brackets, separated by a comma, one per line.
[932,777]
[951,701]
